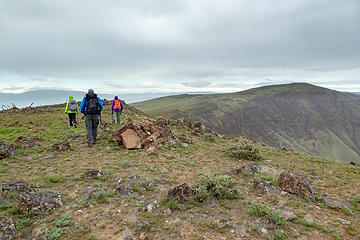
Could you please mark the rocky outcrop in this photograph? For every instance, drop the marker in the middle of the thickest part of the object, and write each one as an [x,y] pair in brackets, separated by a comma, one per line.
[6,150]
[40,201]
[296,183]
[180,193]
[147,134]
[7,228]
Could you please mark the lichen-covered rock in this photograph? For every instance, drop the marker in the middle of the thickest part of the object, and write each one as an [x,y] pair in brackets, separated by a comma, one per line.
[296,183]
[17,187]
[265,187]
[337,203]
[61,147]
[250,168]
[6,150]
[286,213]
[40,201]
[92,173]
[7,228]
[142,225]
[25,143]
[180,193]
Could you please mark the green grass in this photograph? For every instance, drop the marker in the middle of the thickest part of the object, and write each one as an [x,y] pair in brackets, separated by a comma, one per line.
[262,210]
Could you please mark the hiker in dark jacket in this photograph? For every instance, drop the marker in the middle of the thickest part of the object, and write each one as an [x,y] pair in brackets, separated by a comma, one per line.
[91,107]
[71,109]
[116,109]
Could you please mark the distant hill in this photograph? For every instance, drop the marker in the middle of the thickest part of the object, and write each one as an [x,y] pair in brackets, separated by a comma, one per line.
[299,116]
[49,97]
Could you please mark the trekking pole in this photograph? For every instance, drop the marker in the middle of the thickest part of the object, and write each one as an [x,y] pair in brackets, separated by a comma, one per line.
[102,130]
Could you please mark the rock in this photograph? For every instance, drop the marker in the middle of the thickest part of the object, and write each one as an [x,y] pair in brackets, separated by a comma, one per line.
[49,156]
[124,188]
[61,147]
[296,183]
[250,168]
[130,139]
[25,143]
[167,212]
[337,203]
[241,230]
[185,139]
[308,218]
[79,212]
[92,173]
[40,201]
[142,225]
[142,236]
[7,228]
[151,150]
[265,187]
[220,223]
[344,222]
[149,206]
[6,150]
[180,193]
[286,213]
[17,187]
[184,145]
[146,125]
[129,237]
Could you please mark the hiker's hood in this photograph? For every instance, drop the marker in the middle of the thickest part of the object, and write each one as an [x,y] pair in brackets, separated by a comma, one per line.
[116,98]
[71,98]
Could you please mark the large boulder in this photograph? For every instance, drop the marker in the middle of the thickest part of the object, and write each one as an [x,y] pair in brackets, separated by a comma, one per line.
[296,183]
[7,228]
[40,201]
[180,193]
[130,139]
[6,150]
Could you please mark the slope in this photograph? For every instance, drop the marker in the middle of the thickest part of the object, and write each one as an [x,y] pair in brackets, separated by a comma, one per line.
[302,117]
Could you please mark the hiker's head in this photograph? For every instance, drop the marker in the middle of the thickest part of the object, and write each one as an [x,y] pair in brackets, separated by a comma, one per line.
[91,91]
[71,98]
[116,98]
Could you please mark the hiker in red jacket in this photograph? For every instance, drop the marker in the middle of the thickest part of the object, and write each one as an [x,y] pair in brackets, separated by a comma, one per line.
[116,108]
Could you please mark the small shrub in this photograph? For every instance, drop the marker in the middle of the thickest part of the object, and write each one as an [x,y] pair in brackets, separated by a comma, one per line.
[63,221]
[218,186]
[263,210]
[280,235]
[246,152]
[54,178]
[55,233]
[174,205]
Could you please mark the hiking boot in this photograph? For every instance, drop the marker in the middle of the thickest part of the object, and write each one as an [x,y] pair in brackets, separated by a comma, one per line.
[94,141]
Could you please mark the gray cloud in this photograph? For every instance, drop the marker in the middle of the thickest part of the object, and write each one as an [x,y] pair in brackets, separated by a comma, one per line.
[197,83]
[177,41]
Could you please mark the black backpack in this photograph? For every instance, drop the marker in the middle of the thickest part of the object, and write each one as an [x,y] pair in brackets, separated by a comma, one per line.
[92,105]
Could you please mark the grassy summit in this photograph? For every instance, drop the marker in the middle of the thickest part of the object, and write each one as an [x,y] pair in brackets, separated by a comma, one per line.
[302,117]
[225,206]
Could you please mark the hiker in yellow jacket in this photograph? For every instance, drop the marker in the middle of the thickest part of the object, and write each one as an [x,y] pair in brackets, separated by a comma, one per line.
[71,109]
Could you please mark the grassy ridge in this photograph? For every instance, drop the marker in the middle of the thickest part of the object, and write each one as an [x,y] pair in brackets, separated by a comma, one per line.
[302,117]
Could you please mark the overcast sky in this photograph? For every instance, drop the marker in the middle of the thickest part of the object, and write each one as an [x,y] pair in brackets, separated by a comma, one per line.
[178,45]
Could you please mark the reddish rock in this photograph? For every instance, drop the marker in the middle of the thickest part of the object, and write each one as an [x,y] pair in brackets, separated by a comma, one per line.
[151,150]
[180,193]
[130,139]
[296,183]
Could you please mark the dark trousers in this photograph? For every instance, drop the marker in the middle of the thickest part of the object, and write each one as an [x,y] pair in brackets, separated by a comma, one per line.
[92,122]
[72,119]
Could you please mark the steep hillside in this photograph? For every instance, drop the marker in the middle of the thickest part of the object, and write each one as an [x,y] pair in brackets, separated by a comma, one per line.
[302,117]
[195,185]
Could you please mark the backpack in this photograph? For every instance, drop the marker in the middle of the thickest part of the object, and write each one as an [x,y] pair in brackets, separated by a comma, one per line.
[117,104]
[92,105]
[72,106]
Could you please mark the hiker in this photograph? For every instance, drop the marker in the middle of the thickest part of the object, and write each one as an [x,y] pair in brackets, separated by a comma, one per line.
[72,109]
[116,109]
[91,107]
